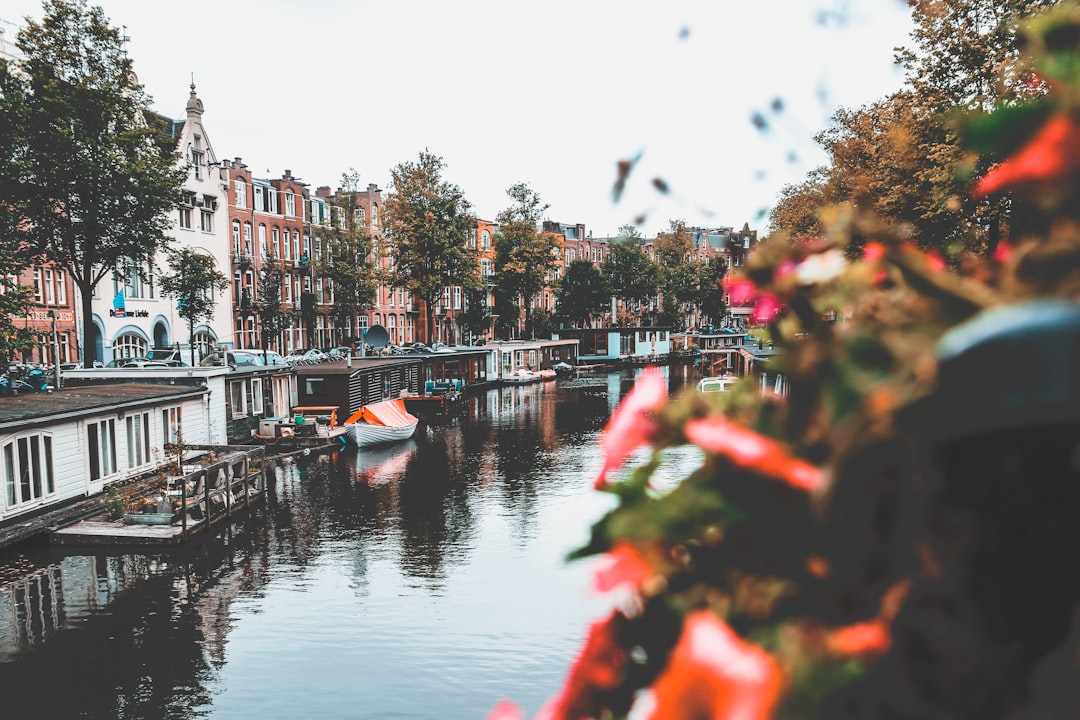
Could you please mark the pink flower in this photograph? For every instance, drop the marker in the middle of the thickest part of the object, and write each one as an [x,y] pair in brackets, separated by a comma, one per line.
[750,450]
[624,566]
[765,308]
[713,674]
[505,710]
[873,251]
[1052,152]
[630,426]
[597,670]
[739,291]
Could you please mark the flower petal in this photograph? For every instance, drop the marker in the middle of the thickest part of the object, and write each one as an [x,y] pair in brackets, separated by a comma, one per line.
[765,308]
[713,674]
[629,426]
[748,449]
[1053,151]
[505,710]
[597,670]
[623,565]
[865,638]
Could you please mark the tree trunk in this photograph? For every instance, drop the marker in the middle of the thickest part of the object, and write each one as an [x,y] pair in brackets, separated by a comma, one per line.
[86,298]
[191,339]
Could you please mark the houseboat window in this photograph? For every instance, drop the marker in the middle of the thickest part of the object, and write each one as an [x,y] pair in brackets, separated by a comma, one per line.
[641,336]
[256,396]
[102,437]
[138,439]
[170,425]
[236,399]
[315,386]
[28,469]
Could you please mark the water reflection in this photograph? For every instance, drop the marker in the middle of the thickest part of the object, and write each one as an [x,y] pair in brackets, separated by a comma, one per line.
[423,580]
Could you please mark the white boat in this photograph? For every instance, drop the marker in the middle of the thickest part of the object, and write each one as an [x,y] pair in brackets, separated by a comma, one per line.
[521,376]
[382,422]
[716,384]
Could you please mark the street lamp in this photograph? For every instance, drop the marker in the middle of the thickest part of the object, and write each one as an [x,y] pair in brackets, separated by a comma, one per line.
[56,350]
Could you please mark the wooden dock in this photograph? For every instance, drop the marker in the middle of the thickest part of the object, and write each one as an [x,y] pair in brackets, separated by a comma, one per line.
[204,496]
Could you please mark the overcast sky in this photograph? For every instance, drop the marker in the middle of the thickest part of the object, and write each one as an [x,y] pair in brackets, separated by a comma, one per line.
[551,93]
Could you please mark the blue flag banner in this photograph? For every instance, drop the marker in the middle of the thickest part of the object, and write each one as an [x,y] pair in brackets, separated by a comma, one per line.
[118,304]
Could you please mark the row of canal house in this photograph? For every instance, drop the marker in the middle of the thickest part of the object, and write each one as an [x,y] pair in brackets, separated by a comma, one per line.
[110,425]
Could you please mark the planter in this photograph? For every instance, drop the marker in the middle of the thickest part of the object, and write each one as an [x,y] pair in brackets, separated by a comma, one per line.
[148,518]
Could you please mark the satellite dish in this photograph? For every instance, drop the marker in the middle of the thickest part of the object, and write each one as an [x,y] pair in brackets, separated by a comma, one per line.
[377,337]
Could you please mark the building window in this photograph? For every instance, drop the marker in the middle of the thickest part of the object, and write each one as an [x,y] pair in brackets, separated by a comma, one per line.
[101,438]
[129,345]
[196,162]
[185,217]
[290,204]
[206,221]
[457,297]
[485,241]
[361,218]
[315,386]
[240,188]
[203,342]
[236,236]
[132,283]
[262,241]
[138,439]
[28,469]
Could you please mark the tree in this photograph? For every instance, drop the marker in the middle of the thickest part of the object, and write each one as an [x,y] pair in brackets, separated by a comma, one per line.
[192,282]
[268,305]
[525,257]
[796,210]
[476,317]
[677,272]
[709,297]
[348,261]
[97,182]
[582,292]
[14,298]
[427,223]
[633,278]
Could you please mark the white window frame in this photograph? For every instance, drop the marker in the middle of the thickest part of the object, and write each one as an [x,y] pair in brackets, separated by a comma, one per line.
[33,456]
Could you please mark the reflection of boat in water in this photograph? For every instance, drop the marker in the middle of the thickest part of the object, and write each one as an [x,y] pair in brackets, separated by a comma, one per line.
[382,422]
[547,374]
[379,465]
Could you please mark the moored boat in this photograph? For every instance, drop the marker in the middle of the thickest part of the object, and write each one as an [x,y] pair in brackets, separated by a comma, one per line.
[382,422]
[521,376]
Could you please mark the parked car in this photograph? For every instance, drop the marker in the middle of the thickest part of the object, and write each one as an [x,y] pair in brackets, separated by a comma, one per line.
[339,353]
[143,362]
[301,356]
[273,358]
[167,355]
[234,358]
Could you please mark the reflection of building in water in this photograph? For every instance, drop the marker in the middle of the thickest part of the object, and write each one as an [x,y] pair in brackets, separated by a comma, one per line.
[46,600]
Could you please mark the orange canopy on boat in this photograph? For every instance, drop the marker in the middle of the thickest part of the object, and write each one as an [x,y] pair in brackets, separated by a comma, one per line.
[390,413]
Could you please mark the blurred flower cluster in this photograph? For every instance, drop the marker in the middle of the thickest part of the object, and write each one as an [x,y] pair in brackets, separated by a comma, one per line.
[795,573]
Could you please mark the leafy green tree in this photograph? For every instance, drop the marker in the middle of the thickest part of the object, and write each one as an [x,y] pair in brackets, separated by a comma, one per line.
[525,256]
[192,280]
[427,223]
[268,305]
[709,297]
[582,292]
[348,261]
[97,182]
[677,271]
[14,298]
[632,276]
[475,319]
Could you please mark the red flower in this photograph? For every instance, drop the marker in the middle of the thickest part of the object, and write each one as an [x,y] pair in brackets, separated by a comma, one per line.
[748,449]
[714,675]
[505,710]
[1052,152]
[624,565]
[630,426]
[597,670]
[865,638]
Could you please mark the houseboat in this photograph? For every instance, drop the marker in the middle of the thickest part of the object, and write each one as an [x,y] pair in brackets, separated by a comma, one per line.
[86,438]
[619,345]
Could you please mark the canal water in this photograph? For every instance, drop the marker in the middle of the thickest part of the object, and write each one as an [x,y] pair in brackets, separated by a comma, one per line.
[422,580]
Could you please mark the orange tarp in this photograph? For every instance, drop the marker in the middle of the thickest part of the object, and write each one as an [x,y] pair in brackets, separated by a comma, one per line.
[390,413]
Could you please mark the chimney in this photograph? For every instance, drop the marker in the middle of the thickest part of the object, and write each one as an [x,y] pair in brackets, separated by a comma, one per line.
[323,191]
